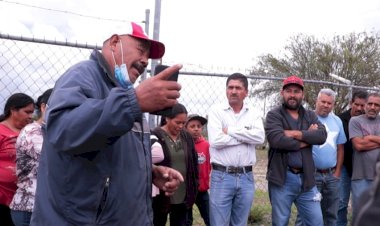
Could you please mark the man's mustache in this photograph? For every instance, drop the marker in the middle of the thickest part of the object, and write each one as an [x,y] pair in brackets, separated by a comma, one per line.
[139,67]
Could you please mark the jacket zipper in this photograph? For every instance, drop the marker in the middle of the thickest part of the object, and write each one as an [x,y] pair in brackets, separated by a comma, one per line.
[103,199]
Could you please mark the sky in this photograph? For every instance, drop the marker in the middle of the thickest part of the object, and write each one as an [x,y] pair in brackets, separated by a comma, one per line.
[216,36]
[200,32]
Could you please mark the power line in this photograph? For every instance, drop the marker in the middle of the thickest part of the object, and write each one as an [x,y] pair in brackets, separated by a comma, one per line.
[64,11]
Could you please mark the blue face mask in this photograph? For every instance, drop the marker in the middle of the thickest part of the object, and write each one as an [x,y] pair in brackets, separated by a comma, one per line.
[121,72]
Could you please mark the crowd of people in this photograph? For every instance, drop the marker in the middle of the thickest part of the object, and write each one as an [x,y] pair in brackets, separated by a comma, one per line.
[83,153]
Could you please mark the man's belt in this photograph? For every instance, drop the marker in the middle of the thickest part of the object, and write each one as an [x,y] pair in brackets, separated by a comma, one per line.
[231,169]
[327,171]
[295,170]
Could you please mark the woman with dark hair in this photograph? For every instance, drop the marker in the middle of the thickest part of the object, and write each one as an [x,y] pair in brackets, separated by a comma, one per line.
[18,112]
[180,154]
[28,150]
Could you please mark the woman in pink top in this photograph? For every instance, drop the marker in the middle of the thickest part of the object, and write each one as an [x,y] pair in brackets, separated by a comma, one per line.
[18,112]
[157,156]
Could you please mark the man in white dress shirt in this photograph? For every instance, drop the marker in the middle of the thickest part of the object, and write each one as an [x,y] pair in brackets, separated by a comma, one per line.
[234,131]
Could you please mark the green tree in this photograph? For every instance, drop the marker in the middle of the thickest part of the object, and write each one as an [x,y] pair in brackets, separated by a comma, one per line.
[355,56]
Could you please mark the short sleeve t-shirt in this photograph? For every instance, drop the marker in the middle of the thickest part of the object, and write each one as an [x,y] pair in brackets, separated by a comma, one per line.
[325,155]
[364,162]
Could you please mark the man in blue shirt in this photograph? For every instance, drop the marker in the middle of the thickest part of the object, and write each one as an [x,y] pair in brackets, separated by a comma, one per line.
[328,157]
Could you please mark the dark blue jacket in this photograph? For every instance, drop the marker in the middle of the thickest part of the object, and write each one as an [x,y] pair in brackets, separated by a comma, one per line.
[95,166]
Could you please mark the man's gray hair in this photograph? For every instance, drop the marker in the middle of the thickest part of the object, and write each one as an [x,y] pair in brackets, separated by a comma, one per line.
[374,94]
[327,92]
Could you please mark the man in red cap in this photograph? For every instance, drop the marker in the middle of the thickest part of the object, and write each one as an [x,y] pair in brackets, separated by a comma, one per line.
[291,131]
[95,166]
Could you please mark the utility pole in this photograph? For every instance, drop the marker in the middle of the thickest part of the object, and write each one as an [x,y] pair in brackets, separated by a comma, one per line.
[156,36]
[146,22]
[156,30]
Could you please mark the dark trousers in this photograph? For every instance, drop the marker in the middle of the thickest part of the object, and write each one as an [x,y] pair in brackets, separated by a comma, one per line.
[178,213]
[21,218]
[202,203]
[5,216]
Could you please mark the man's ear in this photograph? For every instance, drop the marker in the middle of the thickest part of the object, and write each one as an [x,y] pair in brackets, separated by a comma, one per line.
[113,41]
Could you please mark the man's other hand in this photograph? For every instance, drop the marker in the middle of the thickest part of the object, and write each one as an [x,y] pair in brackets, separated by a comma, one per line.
[166,179]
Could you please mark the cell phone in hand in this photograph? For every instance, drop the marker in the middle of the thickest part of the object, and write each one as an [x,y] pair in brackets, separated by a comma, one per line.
[174,77]
[159,68]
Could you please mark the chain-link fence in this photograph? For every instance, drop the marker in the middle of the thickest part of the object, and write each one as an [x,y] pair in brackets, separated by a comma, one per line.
[31,66]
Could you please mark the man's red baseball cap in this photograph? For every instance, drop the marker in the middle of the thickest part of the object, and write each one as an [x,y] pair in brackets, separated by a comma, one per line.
[157,49]
[292,80]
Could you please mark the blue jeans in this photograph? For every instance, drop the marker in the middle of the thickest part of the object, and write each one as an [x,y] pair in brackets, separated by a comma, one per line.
[307,202]
[344,197]
[21,218]
[358,187]
[328,186]
[231,198]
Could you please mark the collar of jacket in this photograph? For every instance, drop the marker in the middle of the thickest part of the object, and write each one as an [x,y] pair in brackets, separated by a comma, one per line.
[98,56]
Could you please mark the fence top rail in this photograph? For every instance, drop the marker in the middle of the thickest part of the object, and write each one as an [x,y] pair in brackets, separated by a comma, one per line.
[251,76]
[50,42]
